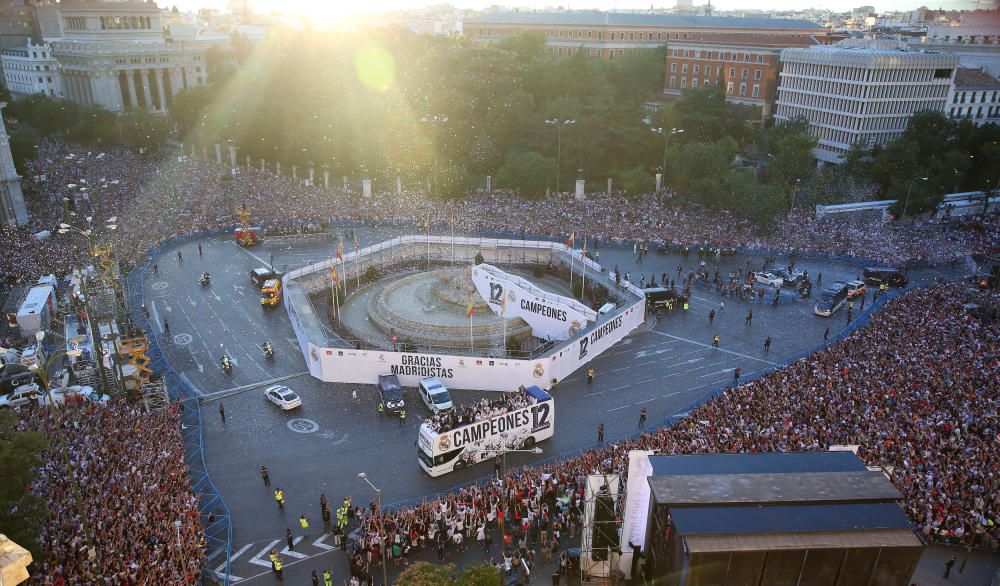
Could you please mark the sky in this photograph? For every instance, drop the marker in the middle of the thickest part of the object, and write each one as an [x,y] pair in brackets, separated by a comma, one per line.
[335,9]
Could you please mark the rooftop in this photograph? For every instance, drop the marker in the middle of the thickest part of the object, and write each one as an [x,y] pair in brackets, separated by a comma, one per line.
[753,40]
[593,18]
[974,79]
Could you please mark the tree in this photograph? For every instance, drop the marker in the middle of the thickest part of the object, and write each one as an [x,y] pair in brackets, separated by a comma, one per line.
[21,512]
[789,147]
[479,574]
[425,574]
[23,142]
[190,107]
[636,180]
[528,171]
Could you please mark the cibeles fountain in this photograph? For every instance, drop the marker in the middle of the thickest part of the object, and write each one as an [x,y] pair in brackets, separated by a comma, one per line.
[430,308]
[407,302]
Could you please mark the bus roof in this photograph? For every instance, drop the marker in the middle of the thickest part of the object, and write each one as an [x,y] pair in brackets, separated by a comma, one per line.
[537,393]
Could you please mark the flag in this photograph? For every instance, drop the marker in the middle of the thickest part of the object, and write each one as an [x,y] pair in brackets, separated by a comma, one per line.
[470,308]
[334,276]
[427,226]
[583,254]
[340,250]
[569,243]
[503,305]
[357,247]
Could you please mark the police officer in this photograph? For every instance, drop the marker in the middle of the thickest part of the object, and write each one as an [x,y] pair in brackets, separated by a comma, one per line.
[327,577]
[715,341]
[265,475]
[280,497]
[278,568]
[590,375]
[304,521]
[273,555]
[402,415]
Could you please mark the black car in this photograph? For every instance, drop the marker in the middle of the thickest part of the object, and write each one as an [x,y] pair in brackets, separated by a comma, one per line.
[261,274]
[876,276]
[390,393]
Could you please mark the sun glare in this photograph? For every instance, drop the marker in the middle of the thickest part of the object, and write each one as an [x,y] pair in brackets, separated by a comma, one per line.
[320,14]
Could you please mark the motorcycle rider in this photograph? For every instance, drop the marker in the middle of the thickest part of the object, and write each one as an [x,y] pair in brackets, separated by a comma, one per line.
[226,363]
[205,278]
[268,349]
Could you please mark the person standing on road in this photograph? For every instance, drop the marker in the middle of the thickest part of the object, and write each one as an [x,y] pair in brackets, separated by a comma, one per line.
[265,475]
[156,269]
[166,328]
[826,334]
[715,341]
[279,569]
[948,565]
[327,577]
[304,522]
[290,539]
[315,579]
[199,249]
[279,496]
[642,417]
[590,375]
[722,307]
[711,317]
[767,344]
[180,257]
[600,433]
[222,412]
[749,320]
[736,375]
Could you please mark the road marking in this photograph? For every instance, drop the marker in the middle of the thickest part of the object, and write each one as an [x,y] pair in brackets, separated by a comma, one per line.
[220,570]
[320,542]
[185,339]
[232,578]
[702,376]
[232,391]
[256,559]
[608,411]
[302,425]
[716,349]
[263,262]
[160,285]
[295,541]
[636,403]
[192,385]
[587,395]
[156,315]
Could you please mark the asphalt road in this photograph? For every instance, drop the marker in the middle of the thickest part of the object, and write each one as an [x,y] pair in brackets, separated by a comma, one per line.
[320,447]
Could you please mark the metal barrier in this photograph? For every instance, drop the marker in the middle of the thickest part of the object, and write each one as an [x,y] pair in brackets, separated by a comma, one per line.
[218,530]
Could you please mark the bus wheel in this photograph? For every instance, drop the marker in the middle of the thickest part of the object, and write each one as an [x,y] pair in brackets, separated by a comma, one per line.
[529,443]
[459,465]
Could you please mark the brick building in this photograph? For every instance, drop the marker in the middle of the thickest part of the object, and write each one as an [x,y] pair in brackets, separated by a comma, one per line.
[613,35]
[748,63]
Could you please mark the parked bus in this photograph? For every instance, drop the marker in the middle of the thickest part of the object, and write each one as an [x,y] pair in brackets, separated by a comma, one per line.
[831,299]
[440,452]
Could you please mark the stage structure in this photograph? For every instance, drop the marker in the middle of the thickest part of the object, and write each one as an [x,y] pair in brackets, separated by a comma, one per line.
[600,554]
[442,308]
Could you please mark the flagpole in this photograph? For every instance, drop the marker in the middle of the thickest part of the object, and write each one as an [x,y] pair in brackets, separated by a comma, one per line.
[428,242]
[346,278]
[503,305]
[572,257]
[453,240]
[357,268]
[583,262]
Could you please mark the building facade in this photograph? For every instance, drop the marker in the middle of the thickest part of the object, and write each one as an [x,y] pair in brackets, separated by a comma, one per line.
[865,93]
[13,211]
[746,63]
[115,55]
[975,96]
[18,23]
[613,35]
[31,70]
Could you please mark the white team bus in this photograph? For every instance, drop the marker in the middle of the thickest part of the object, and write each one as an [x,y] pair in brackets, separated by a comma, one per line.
[441,452]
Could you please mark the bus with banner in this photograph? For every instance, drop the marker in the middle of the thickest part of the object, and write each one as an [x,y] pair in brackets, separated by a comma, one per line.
[444,448]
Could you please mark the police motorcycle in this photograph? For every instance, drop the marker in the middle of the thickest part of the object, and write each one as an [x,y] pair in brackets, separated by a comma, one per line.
[268,350]
[226,364]
[205,279]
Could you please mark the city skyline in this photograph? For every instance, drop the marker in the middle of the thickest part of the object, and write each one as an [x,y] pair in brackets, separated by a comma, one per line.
[333,11]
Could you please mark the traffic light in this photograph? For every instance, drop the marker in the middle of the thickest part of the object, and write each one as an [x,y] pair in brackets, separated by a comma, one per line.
[605,535]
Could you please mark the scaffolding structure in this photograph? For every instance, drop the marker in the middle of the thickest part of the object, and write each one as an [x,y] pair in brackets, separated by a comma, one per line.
[603,491]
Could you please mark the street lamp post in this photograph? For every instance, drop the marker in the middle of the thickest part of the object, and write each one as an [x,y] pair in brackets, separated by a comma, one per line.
[381,532]
[909,190]
[666,142]
[559,124]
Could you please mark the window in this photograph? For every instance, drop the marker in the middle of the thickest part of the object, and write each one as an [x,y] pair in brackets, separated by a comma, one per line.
[694,84]
[756,91]
[631,37]
[743,89]
[729,90]
[760,58]
[659,37]
[612,38]
[746,57]
[706,82]
[684,84]
[743,74]
[684,69]
[732,74]
[673,69]
[756,74]
[673,83]
[697,70]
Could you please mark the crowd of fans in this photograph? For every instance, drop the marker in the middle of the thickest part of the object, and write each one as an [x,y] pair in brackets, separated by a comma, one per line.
[478,411]
[915,389]
[113,506]
[155,199]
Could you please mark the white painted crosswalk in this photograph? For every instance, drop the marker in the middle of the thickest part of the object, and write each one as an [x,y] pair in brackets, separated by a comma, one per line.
[243,568]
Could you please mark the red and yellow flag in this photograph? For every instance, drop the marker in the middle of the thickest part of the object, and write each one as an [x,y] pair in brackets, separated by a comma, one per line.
[340,250]
[334,276]
[569,243]
[357,247]
[470,308]
[583,253]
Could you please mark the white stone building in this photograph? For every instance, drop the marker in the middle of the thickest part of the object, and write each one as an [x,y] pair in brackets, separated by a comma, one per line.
[975,96]
[31,70]
[860,92]
[13,211]
[115,55]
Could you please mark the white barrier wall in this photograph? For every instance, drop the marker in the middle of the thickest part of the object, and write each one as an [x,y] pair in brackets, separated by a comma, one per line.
[551,316]
[346,365]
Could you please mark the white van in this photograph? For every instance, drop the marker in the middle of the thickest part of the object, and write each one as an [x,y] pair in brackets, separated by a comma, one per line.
[434,394]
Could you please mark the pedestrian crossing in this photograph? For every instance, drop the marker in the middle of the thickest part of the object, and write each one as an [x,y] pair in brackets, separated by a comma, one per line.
[245,567]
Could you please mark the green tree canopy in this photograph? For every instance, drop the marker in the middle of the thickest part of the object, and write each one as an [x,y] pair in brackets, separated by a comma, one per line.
[21,512]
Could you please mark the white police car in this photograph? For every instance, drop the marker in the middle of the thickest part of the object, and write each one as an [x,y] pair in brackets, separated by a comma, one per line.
[283,397]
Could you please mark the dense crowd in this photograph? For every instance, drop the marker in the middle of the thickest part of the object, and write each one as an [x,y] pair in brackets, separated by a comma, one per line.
[912,388]
[478,411]
[155,199]
[915,389]
[113,506]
